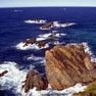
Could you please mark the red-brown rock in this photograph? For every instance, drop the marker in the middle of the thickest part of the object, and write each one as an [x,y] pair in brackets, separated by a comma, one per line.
[67,65]
[41,44]
[29,41]
[34,79]
[47,25]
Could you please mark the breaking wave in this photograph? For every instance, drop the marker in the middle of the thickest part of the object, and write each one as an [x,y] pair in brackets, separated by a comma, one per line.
[56,24]
[35,21]
[49,92]
[14,78]
[32,57]
[48,35]
[34,46]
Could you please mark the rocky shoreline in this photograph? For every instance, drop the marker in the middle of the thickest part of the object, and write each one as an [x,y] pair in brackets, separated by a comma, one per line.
[66,65]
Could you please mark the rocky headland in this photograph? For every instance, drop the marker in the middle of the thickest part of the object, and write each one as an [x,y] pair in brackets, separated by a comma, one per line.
[66,65]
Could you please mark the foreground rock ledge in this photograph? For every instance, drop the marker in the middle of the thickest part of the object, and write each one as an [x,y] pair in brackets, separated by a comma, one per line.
[67,65]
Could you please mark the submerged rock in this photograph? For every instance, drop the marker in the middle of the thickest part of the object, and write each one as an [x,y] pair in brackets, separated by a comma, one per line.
[67,65]
[34,79]
[3,73]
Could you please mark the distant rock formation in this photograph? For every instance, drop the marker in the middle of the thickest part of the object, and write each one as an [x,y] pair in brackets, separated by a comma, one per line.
[34,79]
[41,44]
[29,41]
[47,26]
[3,73]
[67,65]
[56,24]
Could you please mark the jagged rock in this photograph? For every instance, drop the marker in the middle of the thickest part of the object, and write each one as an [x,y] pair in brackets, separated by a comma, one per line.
[34,79]
[3,73]
[47,25]
[29,41]
[67,65]
[41,43]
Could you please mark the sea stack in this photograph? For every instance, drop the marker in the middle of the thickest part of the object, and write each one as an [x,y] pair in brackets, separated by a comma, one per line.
[34,79]
[67,65]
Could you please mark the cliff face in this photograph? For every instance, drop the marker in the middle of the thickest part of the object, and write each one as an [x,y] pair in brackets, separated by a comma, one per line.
[67,65]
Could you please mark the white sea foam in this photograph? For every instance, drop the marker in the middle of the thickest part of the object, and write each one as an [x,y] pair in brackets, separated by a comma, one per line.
[35,58]
[47,36]
[56,24]
[49,92]
[87,50]
[67,24]
[35,21]
[13,79]
[34,46]
[43,36]
[60,34]
[15,76]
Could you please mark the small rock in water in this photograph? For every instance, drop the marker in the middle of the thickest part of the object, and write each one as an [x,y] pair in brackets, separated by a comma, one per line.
[34,79]
[3,73]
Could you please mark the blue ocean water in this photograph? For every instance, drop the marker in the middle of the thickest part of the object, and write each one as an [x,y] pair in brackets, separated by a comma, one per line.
[14,30]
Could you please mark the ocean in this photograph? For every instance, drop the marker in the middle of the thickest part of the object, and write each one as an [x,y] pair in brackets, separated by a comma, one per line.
[14,30]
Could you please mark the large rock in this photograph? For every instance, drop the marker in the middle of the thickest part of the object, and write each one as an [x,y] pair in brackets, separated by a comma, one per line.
[34,79]
[67,65]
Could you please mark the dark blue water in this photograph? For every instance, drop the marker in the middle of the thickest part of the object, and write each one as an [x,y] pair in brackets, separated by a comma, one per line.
[13,30]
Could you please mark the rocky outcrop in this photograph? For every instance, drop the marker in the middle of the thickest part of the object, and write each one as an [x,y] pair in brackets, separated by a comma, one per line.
[56,24]
[3,73]
[41,44]
[47,26]
[34,79]
[29,41]
[67,65]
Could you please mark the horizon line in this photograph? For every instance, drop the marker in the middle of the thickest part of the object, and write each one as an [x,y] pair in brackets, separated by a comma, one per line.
[41,6]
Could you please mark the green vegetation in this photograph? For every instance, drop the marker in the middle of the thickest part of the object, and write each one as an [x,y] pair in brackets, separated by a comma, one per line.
[89,91]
